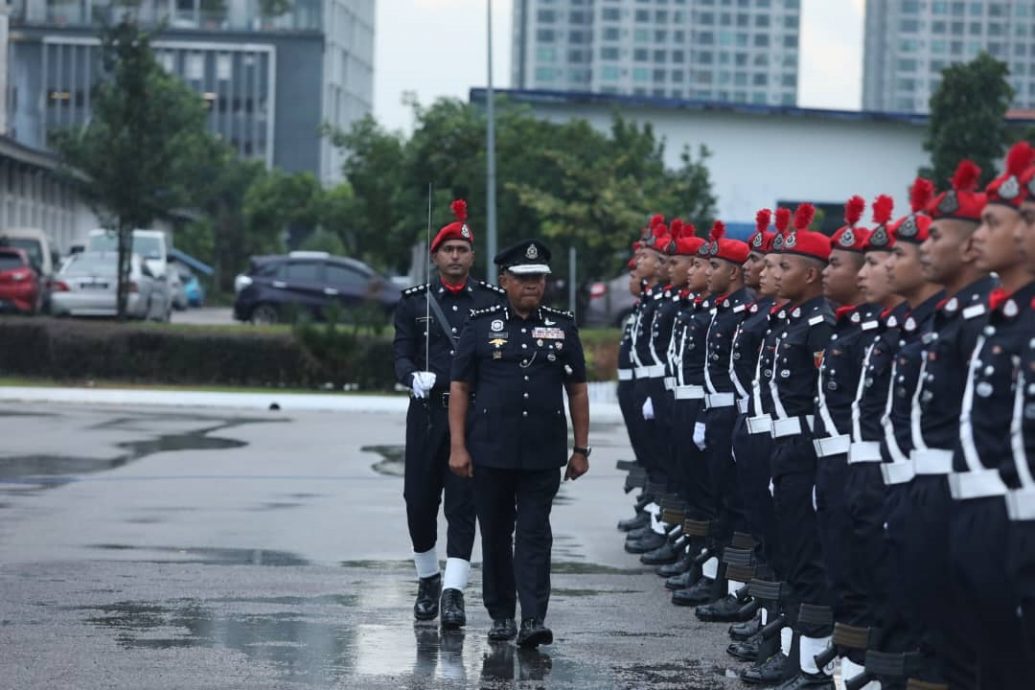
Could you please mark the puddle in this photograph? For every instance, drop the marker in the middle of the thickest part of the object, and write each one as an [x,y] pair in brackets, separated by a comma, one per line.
[210,555]
[561,592]
[577,568]
[392,462]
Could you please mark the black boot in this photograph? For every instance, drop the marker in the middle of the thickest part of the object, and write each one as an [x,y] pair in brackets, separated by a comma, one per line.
[533,633]
[429,590]
[699,593]
[745,650]
[639,533]
[729,609]
[502,629]
[663,555]
[648,543]
[813,681]
[742,631]
[640,520]
[678,568]
[453,615]
[773,670]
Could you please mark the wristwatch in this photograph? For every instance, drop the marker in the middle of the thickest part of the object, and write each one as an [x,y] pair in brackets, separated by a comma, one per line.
[583,451]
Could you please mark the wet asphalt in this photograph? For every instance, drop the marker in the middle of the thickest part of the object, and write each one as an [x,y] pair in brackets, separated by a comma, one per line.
[151,548]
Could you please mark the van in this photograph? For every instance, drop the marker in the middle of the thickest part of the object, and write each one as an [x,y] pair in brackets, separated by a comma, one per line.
[153,250]
[36,245]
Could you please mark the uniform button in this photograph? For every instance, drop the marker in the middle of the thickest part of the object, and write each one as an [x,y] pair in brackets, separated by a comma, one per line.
[525,396]
[524,347]
[451,352]
[454,329]
[523,330]
[454,307]
[526,378]
[524,413]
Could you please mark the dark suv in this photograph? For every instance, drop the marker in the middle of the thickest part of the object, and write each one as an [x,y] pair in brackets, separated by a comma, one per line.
[276,287]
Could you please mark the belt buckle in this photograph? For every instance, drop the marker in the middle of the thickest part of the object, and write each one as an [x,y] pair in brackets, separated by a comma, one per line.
[445,400]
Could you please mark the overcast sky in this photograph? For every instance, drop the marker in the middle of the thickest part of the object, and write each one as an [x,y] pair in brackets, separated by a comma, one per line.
[438,48]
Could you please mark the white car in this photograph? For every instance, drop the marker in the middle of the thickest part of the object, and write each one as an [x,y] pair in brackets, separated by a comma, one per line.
[153,250]
[88,286]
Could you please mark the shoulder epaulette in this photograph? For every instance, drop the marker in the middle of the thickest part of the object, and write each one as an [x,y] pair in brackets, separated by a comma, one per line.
[559,312]
[487,310]
[492,288]
[416,289]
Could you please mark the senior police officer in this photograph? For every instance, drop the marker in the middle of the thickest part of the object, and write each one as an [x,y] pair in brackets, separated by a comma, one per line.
[518,358]
[427,325]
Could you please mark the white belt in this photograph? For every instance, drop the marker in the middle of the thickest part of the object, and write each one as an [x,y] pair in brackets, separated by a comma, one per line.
[897,472]
[719,400]
[1020,504]
[743,404]
[641,372]
[931,461]
[762,424]
[832,445]
[625,374]
[976,484]
[656,371]
[689,393]
[864,451]
[791,426]
[670,383]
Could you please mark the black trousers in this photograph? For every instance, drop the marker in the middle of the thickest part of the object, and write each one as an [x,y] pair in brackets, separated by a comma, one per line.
[627,404]
[1021,568]
[900,624]
[651,452]
[514,513]
[689,462]
[834,524]
[978,538]
[752,453]
[798,531]
[427,478]
[946,646]
[722,471]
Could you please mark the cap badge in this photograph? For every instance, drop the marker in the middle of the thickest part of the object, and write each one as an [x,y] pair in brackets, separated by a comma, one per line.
[791,241]
[879,238]
[757,240]
[531,252]
[847,238]
[714,249]
[908,228]
[497,325]
[949,203]
[1009,189]
[465,232]
[778,242]
[671,249]
[1010,309]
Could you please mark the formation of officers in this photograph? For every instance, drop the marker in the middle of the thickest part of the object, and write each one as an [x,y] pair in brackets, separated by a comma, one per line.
[835,436]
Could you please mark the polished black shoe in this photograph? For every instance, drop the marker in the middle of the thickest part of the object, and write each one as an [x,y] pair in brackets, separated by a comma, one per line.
[641,520]
[502,629]
[742,631]
[745,650]
[533,633]
[773,670]
[699,593]
[663,555]
[813,681]
[648,543]
[729,609]
[680,566]
[453,615]
[639,532]
[429,589]
[681,581]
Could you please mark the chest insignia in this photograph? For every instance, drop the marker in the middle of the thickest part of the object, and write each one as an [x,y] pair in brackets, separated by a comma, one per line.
[548,333]
[497,325]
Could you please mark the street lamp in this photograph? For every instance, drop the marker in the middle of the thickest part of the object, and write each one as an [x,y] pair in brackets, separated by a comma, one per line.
[490,173]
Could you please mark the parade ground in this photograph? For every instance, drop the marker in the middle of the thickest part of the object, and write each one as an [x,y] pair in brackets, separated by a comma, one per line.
[162,547]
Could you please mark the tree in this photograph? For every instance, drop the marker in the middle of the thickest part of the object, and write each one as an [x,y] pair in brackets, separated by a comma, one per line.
[132,160]
[968,117]
[280,209]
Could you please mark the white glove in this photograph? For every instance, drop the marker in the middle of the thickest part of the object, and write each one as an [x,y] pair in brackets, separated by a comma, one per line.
[699,429]
[423,382]
[648,409]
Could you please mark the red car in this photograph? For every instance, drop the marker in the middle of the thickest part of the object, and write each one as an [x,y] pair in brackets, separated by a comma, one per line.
[20,289]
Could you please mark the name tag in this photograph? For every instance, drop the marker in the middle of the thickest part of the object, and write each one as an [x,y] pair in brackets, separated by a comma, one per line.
[973,310]
[815,319]
[548,333]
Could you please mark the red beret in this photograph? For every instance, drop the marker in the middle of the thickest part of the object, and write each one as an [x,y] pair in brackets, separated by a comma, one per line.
[684,239]
[1007,188]
[916,226]
[848,237]
[733,251]
[881,239]
[457,230]
[962,202]
[762,240]
[803,242]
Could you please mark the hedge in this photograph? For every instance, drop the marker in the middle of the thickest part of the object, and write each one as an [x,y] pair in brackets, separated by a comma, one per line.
[308,356]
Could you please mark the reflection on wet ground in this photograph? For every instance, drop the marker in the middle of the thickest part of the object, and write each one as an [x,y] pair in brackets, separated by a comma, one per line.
[210,556]
[392,460]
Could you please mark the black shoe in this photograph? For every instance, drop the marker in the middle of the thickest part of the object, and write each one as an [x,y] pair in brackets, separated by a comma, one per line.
[453,615]
[641,520]
[773,670]
[699,593]
[729,609]
[534,633]
[502,629]
[745,650]
[429,590]
[639,532]
[663,555]
[678,568]
[678,582]
[742,631]
[815,681]
[648,543]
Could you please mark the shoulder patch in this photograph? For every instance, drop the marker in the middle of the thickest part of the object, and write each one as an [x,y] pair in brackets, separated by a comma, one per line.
[559,312]
[487,310]
[492,288]
[416,289]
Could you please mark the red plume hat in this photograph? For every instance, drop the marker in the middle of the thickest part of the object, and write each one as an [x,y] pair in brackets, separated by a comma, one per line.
[881,238]
[762,239]
[457,230]
[734,251]
[1008,189]
[915,227]
[962,201]
[849,237]
[805,242]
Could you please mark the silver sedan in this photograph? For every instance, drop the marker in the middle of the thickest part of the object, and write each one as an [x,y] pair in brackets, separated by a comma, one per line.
[87,286]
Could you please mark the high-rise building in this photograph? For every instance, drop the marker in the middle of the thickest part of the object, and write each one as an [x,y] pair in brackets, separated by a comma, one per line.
[739,51]
[909,42]
[273,72]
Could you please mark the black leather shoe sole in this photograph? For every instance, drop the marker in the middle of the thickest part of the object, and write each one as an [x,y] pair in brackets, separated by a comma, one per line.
[541,636]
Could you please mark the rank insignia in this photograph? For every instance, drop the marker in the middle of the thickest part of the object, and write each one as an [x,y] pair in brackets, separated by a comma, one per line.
[497,325]
[498,342]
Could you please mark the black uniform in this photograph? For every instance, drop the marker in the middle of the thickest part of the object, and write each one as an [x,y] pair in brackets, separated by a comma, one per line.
[517,436]
[427,420]
[689,401]
[646,368]
[979,527]
[626,392]
[948,648]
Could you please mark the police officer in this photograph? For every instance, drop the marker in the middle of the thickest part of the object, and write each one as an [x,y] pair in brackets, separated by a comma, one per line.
[428,320]
[518,358]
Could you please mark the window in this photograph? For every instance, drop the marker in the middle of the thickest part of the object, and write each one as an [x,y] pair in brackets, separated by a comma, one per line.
[641,75]
[677,75]
[544,35]
[910,26]
[611,14]
[678,56]
[611,33]
[543,74]
[336,274]
[659,76]
[760,80]
[762,21]
[303,272]
[609,73]
[608,53]
[789,80]
[641,36]
[640,55]
[762,41]
[546,16]
[642,16]
[740,79]
[660,35]
[938,27]
[790,41]
[907,65]
[546,54]
[659,56]
[705,38]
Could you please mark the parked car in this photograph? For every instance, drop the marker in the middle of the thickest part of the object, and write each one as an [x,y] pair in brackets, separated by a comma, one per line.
[42,256]
[192,291]
[21,289]
[153,250]
[88,285]
[276,286]
[609,303]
